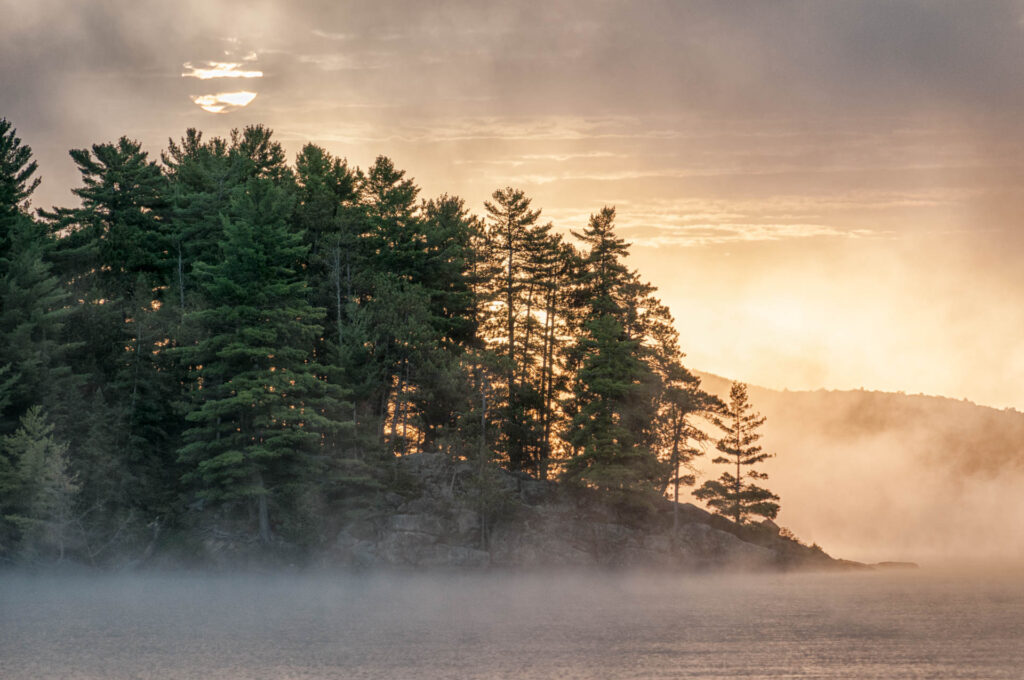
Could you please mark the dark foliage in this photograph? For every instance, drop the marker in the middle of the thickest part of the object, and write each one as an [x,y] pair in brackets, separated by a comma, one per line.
[221,342]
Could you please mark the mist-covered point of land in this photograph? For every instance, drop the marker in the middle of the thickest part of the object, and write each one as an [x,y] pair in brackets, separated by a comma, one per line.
[227,352]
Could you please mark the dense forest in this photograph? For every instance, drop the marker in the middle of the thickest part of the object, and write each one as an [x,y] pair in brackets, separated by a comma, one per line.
[218,336]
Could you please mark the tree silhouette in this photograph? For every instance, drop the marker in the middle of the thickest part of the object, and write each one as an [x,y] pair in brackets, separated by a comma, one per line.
[735,495]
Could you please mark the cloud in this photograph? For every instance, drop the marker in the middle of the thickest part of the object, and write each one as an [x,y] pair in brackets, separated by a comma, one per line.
[788,125]
[524,159]
[335,62]
[219,69]
[223,102]
[691,235]
[332,36]
[562,157]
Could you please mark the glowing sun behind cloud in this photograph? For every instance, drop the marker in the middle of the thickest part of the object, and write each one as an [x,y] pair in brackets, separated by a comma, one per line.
[218,69]
[223,102]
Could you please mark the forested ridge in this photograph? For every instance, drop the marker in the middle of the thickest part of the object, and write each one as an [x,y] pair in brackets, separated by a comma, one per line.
[221,337]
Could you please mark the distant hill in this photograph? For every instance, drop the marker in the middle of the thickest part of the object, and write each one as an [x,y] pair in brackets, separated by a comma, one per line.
[878,475]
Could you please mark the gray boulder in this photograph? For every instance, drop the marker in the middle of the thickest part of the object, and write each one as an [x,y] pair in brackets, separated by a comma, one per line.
[423,524]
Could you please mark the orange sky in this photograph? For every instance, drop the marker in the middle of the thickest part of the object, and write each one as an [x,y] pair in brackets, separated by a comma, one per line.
[826,193]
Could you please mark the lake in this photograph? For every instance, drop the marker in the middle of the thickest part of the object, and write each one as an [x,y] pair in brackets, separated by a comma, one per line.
[906,624]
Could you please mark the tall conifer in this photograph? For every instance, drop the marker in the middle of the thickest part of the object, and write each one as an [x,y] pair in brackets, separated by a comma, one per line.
[260,407]
[737,496]
[613,401]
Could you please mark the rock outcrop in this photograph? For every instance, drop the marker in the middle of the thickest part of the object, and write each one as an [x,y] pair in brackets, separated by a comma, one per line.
[525,523]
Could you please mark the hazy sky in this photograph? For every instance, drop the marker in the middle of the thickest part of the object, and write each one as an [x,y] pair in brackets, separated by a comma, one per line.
[827,193]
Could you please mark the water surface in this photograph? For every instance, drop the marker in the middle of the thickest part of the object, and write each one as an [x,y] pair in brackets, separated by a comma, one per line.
[915,624]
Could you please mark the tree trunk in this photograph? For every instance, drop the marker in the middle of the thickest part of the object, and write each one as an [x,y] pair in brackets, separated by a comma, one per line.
[262,509]
[337,290]
[181,279]
[385,395]
[397,412]
[405,410]
[510,321]
[739,485]
[514,458]
[482,457]
[547,378]
[136,367]
[675,493]
[524,374]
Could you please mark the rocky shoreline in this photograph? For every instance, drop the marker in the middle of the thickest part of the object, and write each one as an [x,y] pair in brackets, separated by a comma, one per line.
[436,525]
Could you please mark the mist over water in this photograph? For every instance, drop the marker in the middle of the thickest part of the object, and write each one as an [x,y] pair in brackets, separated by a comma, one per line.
[875,476]
[499,625]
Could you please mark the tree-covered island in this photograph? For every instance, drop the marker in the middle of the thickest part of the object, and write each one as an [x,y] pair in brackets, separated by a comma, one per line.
[218,348]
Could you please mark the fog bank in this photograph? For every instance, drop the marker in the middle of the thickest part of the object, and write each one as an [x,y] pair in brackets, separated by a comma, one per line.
[876,476]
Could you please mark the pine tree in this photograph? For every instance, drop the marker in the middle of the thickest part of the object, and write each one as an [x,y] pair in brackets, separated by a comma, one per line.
[613,404]
[33,304]
[555,267]
[510,223]
[450,234]
[392,254]
[484,487]
[255,155]
[45,488]
[332,222]
[261,408]
[33,310]
[400,339]
[203,176]
[16,180]
[610,453]
[326,216]
[201,183]
[448,279]
[118,231]
[395,236]
[680,398]
[679,440]
[736,496]
[412,310]
[114,252]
